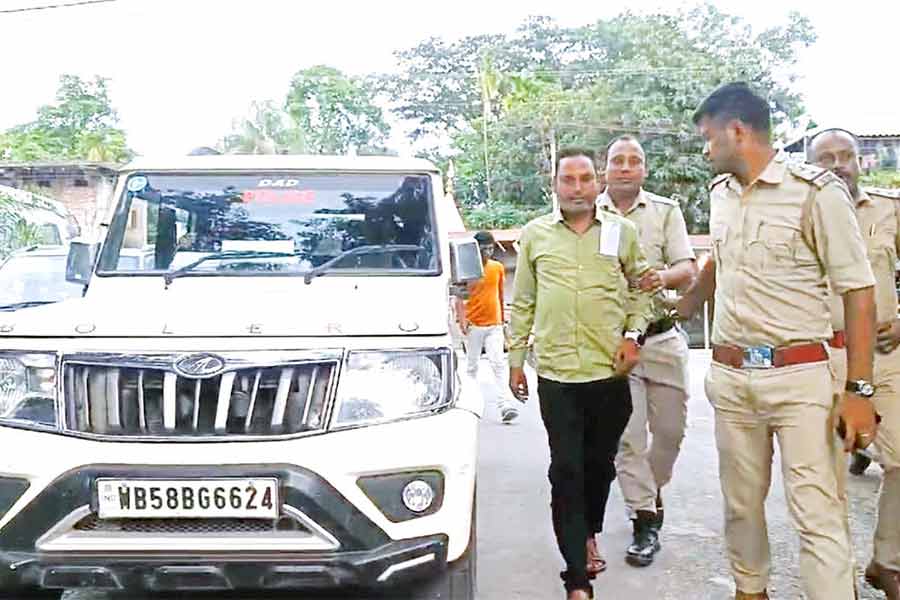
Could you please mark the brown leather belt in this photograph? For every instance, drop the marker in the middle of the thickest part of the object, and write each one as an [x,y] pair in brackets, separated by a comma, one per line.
[765,357]
[838,341]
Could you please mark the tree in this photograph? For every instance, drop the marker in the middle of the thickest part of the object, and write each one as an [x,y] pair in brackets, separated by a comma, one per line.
[335,111]
[636,74]
[268,130]
[15,232]
[81,125]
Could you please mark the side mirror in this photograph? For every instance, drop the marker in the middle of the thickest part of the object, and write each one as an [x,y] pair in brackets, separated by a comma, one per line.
[80,262]
[465,261]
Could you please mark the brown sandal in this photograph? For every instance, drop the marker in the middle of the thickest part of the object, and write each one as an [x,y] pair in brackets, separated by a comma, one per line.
[884,579]
[596,564]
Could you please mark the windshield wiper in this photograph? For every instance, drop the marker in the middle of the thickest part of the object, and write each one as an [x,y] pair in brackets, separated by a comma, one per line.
[358,251]
[29,304]
[171,276]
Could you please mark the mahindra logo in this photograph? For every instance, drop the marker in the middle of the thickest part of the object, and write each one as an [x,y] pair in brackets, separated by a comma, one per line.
[199,366]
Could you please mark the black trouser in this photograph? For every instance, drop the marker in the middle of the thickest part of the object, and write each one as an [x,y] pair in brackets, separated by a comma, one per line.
[584,423]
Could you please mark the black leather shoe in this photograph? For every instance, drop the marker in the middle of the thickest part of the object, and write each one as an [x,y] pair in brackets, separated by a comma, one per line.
[645,544]
[860,463]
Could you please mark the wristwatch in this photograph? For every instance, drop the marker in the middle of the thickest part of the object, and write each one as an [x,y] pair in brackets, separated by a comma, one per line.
[860,387]
[634,335]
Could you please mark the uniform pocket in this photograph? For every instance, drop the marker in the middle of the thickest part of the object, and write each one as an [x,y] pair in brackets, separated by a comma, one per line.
[775,247]
[604,272]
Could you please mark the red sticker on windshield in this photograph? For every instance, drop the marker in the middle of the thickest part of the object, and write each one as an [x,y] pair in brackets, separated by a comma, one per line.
[279,196]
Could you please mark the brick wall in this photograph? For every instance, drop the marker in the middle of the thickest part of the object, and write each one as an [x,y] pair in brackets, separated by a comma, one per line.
[85,195]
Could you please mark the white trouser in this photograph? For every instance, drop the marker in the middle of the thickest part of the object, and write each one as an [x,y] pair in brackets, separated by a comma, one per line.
[489,338]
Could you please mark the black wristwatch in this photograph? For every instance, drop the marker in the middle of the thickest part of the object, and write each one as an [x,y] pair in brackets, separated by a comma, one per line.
[860,387]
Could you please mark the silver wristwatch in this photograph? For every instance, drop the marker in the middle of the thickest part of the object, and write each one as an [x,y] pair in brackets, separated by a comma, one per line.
[860,387]
[633,335]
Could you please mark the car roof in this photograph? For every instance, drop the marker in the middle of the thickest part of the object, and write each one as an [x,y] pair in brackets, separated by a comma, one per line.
[282,162]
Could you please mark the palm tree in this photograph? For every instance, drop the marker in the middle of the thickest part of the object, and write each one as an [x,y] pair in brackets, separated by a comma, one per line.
[268,130]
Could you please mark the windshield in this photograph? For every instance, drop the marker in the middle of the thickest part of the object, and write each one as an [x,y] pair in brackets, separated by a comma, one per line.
[26,279]
[217,224]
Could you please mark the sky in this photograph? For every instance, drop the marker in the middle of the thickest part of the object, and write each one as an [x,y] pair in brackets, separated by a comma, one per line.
[181,70]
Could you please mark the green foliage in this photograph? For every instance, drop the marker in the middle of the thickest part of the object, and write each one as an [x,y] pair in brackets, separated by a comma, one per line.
[334,111]
[15,232]
[883,179]
[325,112]
[268,130]
[500,216]
[81,125]
[546,86]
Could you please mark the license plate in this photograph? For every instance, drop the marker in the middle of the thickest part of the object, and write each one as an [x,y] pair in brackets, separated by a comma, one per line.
[188,498]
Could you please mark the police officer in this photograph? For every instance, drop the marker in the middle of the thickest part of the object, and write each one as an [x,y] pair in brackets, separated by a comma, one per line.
[878,214]
[781,233]
[659,383]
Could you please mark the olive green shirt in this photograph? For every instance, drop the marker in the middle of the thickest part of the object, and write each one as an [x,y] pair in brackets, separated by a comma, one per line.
[573,290]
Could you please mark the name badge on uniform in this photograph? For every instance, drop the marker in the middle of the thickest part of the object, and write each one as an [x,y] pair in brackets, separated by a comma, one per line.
[609,238]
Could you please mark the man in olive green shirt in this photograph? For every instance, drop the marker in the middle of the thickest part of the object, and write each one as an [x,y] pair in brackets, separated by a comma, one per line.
[572,287]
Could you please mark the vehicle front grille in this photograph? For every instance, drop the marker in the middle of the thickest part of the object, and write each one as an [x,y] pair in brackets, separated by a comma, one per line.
[114,395]
[188,526]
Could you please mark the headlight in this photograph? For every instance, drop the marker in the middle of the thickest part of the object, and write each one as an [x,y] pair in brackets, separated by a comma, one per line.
[28,389]
[385,386]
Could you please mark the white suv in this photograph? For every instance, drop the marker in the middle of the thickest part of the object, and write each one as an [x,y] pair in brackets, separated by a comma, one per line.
[269,401]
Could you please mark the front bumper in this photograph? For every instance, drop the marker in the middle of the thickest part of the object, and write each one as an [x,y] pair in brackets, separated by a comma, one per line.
[366,556]
[384,567]
[320,476]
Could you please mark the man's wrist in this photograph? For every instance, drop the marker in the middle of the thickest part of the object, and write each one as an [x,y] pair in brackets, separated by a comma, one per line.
[664,278]
[516,358]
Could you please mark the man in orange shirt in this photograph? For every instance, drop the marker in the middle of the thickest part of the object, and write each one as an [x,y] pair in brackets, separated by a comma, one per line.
[481,321]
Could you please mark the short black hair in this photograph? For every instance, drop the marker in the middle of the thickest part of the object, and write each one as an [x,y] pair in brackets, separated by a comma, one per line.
[204,151]
[737,101]
[627,137]
[570,151]
[833,130]
[484,238]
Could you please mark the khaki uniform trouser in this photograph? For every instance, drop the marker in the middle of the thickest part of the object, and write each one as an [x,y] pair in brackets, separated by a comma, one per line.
[887,445]
[794,405]
[659,385]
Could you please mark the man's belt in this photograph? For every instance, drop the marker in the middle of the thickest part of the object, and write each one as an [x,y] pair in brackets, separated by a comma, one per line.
[767,357]
[838,341]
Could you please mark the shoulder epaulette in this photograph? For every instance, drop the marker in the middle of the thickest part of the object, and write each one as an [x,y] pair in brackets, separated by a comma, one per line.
[817,176]
[719,179]
[663,200]
[892,193]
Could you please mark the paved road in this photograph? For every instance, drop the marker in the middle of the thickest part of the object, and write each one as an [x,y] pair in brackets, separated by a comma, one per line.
[517,553]
[518,558]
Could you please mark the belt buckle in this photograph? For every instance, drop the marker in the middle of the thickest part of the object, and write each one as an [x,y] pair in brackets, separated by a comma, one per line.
[759,357]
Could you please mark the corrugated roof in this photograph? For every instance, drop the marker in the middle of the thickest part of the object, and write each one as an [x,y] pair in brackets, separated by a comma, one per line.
[58,164]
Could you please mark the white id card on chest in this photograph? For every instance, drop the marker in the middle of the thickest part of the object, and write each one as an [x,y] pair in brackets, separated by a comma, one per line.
[609,238]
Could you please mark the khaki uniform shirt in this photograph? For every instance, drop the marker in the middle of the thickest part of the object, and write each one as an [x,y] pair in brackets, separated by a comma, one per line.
[573,290]
[662,231]
[771,283]
[878,213]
